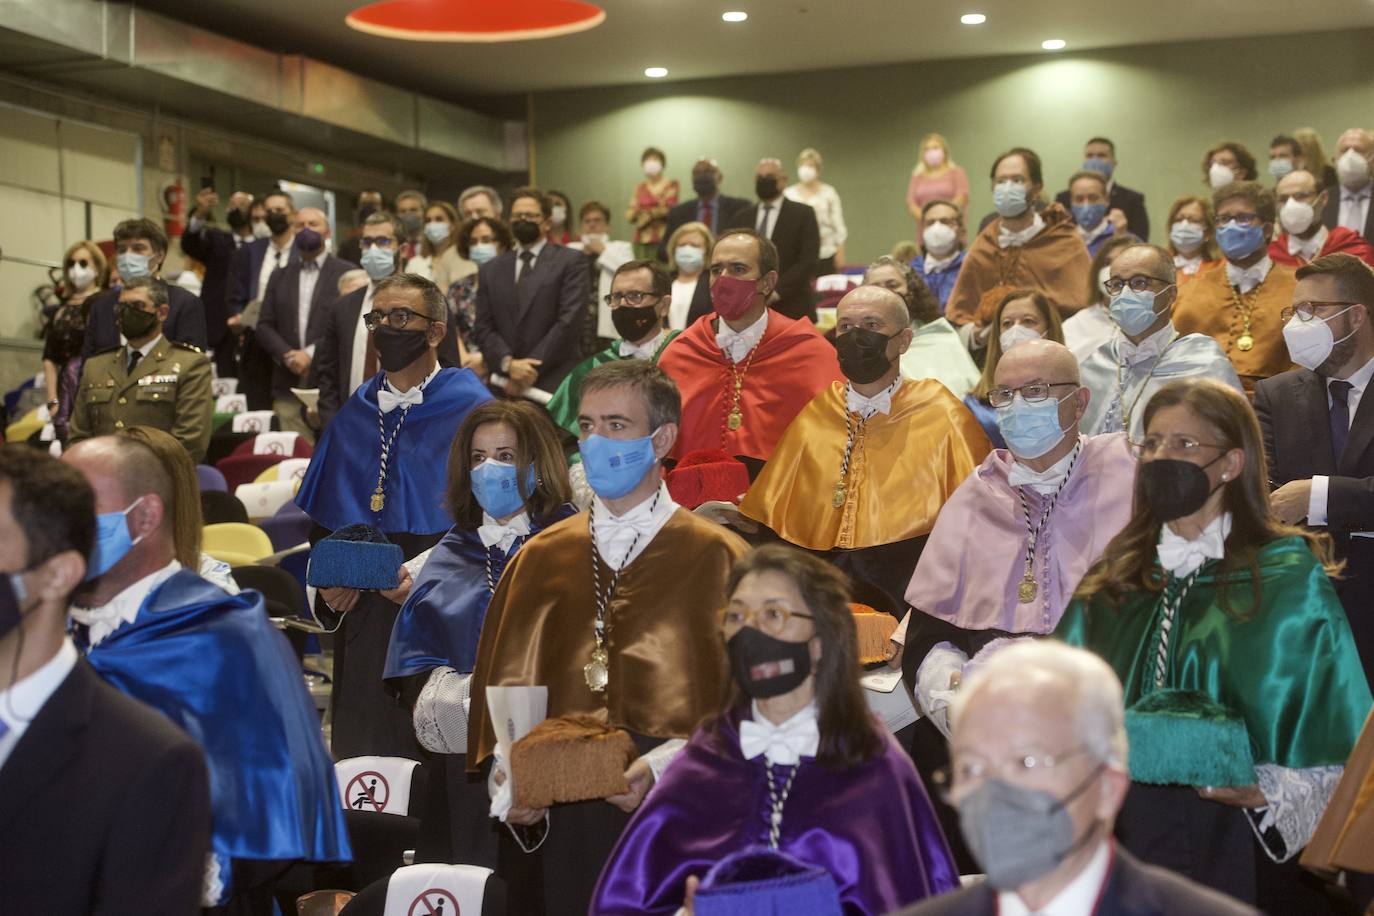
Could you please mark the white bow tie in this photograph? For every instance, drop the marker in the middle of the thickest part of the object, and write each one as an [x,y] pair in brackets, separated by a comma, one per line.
[100,622]
[866,407]
[504,535]
[614,536]
[1046,481]
[1247,278]
[389,400]
[783,744]
[630,351]
[733,344]
[1182,557]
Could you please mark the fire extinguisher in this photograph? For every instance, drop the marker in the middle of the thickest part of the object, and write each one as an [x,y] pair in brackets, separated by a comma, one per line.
[174,207]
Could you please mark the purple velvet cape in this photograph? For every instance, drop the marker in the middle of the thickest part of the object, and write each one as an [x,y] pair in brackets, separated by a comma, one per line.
[871,826]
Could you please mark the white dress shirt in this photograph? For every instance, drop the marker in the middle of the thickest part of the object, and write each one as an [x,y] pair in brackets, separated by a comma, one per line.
[536,249]
[360,335]
[1078,898]
[683,291]
[1247,278]
[1009,239]
[829,215]
[122,608]
[1355,207]
[1188,265]
[737,344]
[1308,249]
[308,280]
[1321,484]
[616,533]
[143,350]
[273,258]
[641,351]
[933,265]
[768,216]
[866,407]
[22,701]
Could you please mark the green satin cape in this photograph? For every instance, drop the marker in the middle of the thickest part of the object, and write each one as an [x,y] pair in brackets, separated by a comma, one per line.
[566,400]
[1291,672]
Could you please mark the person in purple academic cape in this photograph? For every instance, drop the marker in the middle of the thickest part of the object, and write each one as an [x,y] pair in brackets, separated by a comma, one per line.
[795,762]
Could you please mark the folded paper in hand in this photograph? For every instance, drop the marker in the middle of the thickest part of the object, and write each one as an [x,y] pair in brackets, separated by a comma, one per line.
[514,712]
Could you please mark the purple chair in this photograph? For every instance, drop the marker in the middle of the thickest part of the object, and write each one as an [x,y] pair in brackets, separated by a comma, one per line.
[286,529]
[210,479]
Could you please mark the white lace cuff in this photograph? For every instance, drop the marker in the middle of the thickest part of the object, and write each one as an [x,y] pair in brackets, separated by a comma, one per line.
[417,563]
[932,683]
[441,712]
[214,890]
[1297,800]
[660,757]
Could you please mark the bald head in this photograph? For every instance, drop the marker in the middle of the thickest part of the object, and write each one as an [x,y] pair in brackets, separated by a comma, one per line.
[120,470]
[875,301]
[1298,181]
[1143,259]
[1031,360]
[1358,139]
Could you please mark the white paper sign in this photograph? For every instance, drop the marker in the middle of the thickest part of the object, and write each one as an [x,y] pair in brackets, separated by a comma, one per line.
[254,421]
[262,500]
[453,890]
[292,468]
[514,712]
[894,706]
[222,386]
[270,443]
[230,403]
[380,785]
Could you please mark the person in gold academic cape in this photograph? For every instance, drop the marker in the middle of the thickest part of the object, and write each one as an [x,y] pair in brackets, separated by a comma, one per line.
[615,611]
[1239,305]
[863,470]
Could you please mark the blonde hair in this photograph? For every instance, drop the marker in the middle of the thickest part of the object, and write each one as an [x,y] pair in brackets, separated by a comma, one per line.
[812,154]
[102,266]
[921,151]
[687,229]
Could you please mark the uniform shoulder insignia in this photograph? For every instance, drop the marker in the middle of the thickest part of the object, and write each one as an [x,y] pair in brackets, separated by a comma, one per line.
[185,346]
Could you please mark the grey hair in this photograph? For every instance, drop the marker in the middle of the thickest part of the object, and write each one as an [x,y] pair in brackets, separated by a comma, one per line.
[476,189]
[1098,713]
[157,289]
[436,306]
[386,217]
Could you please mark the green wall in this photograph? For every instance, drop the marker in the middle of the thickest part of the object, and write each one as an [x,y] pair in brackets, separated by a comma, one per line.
[1163,105]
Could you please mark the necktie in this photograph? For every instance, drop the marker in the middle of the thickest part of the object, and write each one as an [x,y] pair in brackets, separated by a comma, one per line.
[1340,416]
[762,227]
[134,357]
[707,216]
[281,259]
[526,265]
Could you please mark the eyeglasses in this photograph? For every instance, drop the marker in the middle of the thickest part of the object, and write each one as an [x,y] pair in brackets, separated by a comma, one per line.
[1240,219]
[630,297]
[1306,311]
[1151,446]
[1115,285]
[1031,393]
[771,618]
[970,768]
[396,318]
[378,241]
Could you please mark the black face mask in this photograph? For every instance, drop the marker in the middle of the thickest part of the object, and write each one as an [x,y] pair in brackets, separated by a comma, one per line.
[863,355]
[526,231]
[134,323]
[398,349]
[704,185]
[764,666]
[1173,489]
[634,322]
[238,220]
[364,212]
[278,221]
[765,187]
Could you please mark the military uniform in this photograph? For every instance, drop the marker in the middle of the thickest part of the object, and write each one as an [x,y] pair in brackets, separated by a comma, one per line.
[169,390]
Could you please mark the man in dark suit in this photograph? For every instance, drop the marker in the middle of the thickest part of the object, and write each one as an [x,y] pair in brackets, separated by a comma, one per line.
[1125,208]
[1354,161]
[140,249]
[1039,732]
[718,211]
[792,228]
[1318,426]
[215,248]
[106,803]
[531,302]
[250,270]
[294,313]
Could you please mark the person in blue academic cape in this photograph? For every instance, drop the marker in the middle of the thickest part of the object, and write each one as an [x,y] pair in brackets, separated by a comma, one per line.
[210,662]
[507,481]
[795,762]
[377,464]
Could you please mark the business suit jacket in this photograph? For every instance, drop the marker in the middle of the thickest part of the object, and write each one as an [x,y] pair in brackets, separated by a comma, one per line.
[243,287]
[797,237]
[1331,214]
[214,248]
[185,320]
[333,365]
[105,806]
[277,329]
[543,322]
[728,211]
[1295,421]
[1129,202]
[1133,889]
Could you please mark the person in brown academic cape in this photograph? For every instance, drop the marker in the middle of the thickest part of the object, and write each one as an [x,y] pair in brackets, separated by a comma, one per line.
[745,370]
[1022,247]
[1344,840]
[615,611]
[863,470]
[1240,306]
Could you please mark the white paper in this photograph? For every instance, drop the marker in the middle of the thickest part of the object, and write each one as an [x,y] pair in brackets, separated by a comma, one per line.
[291,468]
[222,386]
[881,680]
[310,397]
[230,403]
[254,421]
[894,707]
[537,395]
[262,500]
[514,712]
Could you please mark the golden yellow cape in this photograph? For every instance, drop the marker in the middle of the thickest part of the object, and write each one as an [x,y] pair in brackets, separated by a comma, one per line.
[904,466]
[1208,306]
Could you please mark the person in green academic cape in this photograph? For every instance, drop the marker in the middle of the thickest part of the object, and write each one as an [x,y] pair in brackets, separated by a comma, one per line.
[1243,689]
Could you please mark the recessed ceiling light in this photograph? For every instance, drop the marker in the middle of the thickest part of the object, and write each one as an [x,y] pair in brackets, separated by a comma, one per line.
[655,73]
[973,19]
[1053,44]
[734,16]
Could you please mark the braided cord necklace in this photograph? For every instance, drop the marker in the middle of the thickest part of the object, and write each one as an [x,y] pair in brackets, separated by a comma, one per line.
[1029,588]
[597,671]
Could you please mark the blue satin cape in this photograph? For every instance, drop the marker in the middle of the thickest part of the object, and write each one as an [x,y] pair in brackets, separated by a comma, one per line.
[338,485]
[871,826]
[441,621]
[214,665]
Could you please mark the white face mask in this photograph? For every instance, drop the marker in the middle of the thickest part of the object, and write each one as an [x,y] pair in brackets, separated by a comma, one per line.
[1017,333]
[595,237]
[653,168]
[806,173]
[260,230]
[559,215]
[81,277]
[1352,169]
[1219,176]
[939,239]
[1310,343]
[1296,217]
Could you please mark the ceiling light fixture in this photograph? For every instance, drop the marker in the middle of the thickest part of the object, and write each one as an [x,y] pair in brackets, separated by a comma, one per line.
[655,73]
[475,20]
[973,19]
[1053,44]
[734,16]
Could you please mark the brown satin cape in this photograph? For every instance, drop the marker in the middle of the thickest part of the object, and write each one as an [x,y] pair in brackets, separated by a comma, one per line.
[1055,262]
[903,467]
[1205,306]
[667,661]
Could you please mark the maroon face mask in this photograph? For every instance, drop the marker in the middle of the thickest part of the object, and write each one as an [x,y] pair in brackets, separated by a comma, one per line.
[732,296]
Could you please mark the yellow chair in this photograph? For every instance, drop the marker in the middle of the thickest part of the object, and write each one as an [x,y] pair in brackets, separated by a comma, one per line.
[20,430]
[235,542]
[268,475]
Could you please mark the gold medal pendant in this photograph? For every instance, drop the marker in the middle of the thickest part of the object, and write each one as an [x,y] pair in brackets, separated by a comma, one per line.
[596,671]
[1245,343]
[378,500]
[837,498]
[736,420]
[1025,593]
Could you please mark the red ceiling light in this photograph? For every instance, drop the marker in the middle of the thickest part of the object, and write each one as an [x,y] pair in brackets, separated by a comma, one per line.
[475,20]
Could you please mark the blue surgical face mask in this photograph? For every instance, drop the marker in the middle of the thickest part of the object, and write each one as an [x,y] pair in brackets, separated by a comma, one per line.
[1186,235]
[437,232]
[378,262]
[1089,215]
[616,466]
[1133,311]
[482,252]
[1030,430]
[132,265]
[1238,242]
[1280,167]
[1009,199]
[1102,167]
[495,484]
[689,257]
[112,541]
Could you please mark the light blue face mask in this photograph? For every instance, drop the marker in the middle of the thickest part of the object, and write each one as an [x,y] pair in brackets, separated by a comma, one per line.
[616,466]
[1280,167]
[495,484]
[1102,167]
[437,232]
[1186,235]
[1030,430]
[1133,311]
[482,252]
[378,262]
[689,257]
[1009,199]
[1238,242]
[1089,215]
[132,265]
[112,541]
